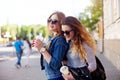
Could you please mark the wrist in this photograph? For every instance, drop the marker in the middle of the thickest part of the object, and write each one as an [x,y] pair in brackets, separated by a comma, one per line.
[42,50]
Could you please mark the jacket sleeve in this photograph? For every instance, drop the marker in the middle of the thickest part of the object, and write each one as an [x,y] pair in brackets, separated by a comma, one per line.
[58,55]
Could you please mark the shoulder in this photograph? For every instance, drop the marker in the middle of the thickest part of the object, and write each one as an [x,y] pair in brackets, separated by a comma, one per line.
[24,41]
[60,40]
[16,42]
[21,43]
[87,47]
[89,50]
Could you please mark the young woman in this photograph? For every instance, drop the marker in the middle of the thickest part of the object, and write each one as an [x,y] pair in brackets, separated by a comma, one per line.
[27,51]
[57,48]
[81,47]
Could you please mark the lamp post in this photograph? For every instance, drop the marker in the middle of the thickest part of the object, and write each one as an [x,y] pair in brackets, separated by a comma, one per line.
[102,26]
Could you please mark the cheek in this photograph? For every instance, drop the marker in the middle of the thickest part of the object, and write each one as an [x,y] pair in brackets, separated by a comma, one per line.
[72,35]
[68,37]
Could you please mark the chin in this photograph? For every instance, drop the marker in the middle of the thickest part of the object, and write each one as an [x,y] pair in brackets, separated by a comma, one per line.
[51,29]
[68,39]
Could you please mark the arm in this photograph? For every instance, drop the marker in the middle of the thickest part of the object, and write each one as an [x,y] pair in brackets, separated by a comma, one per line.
[38,44]
[21,45]
[55,57]
[91,59]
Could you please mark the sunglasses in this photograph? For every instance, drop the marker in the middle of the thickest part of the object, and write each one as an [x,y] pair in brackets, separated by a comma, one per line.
[66,32]
[52,21]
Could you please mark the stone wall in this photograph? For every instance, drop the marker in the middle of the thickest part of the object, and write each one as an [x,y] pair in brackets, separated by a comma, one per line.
[112,51]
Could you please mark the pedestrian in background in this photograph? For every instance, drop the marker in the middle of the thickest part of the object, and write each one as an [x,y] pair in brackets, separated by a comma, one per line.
[55,51]
[19,51]
[27,52]
[82,47]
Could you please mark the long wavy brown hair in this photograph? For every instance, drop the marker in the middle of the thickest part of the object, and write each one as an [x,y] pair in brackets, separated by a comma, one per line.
[81,36]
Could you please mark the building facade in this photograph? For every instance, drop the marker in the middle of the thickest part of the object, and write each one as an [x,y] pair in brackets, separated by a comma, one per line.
[111,18]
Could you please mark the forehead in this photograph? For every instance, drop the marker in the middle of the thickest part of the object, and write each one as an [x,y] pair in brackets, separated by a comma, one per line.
[66,27]
[54,16]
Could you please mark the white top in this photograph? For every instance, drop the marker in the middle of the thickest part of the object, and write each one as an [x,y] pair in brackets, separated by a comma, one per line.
[75,61]
[27,49]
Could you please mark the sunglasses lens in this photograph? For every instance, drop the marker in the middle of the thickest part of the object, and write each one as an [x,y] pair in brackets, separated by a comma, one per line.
[66,32]
[49,20]
[52,21]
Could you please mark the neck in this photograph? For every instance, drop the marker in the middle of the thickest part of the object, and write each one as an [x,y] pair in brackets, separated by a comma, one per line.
[55,34]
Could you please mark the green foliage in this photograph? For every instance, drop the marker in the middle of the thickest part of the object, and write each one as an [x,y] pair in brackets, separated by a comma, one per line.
[11,28]
[24,31]
[32,33]
[91,15]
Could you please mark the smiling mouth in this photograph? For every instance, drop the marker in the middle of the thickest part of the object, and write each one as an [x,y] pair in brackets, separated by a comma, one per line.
[51,26]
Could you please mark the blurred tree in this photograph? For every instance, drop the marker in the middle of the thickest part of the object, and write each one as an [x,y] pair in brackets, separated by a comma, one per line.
[32,33]
[42,30]
[24,31]
[3,29]
[13,31]
[91,15]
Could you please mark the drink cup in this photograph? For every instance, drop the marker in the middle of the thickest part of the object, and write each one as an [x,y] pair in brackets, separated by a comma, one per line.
[64,70]
[39,37]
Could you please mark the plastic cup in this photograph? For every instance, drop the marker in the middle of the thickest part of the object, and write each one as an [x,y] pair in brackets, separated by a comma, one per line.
[64,70]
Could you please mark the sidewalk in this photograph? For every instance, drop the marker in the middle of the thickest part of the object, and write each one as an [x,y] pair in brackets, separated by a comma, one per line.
[8,70]
[112,72]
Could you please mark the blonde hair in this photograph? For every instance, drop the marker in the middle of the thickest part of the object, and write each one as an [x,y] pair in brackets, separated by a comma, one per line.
[80,36]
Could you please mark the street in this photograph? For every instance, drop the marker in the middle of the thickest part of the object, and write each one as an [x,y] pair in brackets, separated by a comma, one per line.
[8,71]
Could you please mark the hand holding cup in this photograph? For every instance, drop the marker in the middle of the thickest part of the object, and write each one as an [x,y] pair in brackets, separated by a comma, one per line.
[37,43]
[64,70]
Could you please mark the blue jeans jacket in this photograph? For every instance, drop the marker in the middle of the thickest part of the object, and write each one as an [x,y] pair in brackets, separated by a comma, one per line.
[58,48]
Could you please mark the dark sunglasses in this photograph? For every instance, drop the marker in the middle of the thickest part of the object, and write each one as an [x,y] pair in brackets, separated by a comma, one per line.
[66,32]
[52,21]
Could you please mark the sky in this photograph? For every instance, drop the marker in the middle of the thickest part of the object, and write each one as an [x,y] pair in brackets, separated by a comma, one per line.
[27,12]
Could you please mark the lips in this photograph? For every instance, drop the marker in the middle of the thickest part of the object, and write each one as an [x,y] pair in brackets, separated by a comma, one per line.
[51,26]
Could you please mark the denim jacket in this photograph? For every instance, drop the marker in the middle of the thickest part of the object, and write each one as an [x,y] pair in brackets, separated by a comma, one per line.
[58,48]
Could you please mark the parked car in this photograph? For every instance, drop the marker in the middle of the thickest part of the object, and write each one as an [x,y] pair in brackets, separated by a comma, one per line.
[9,44]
